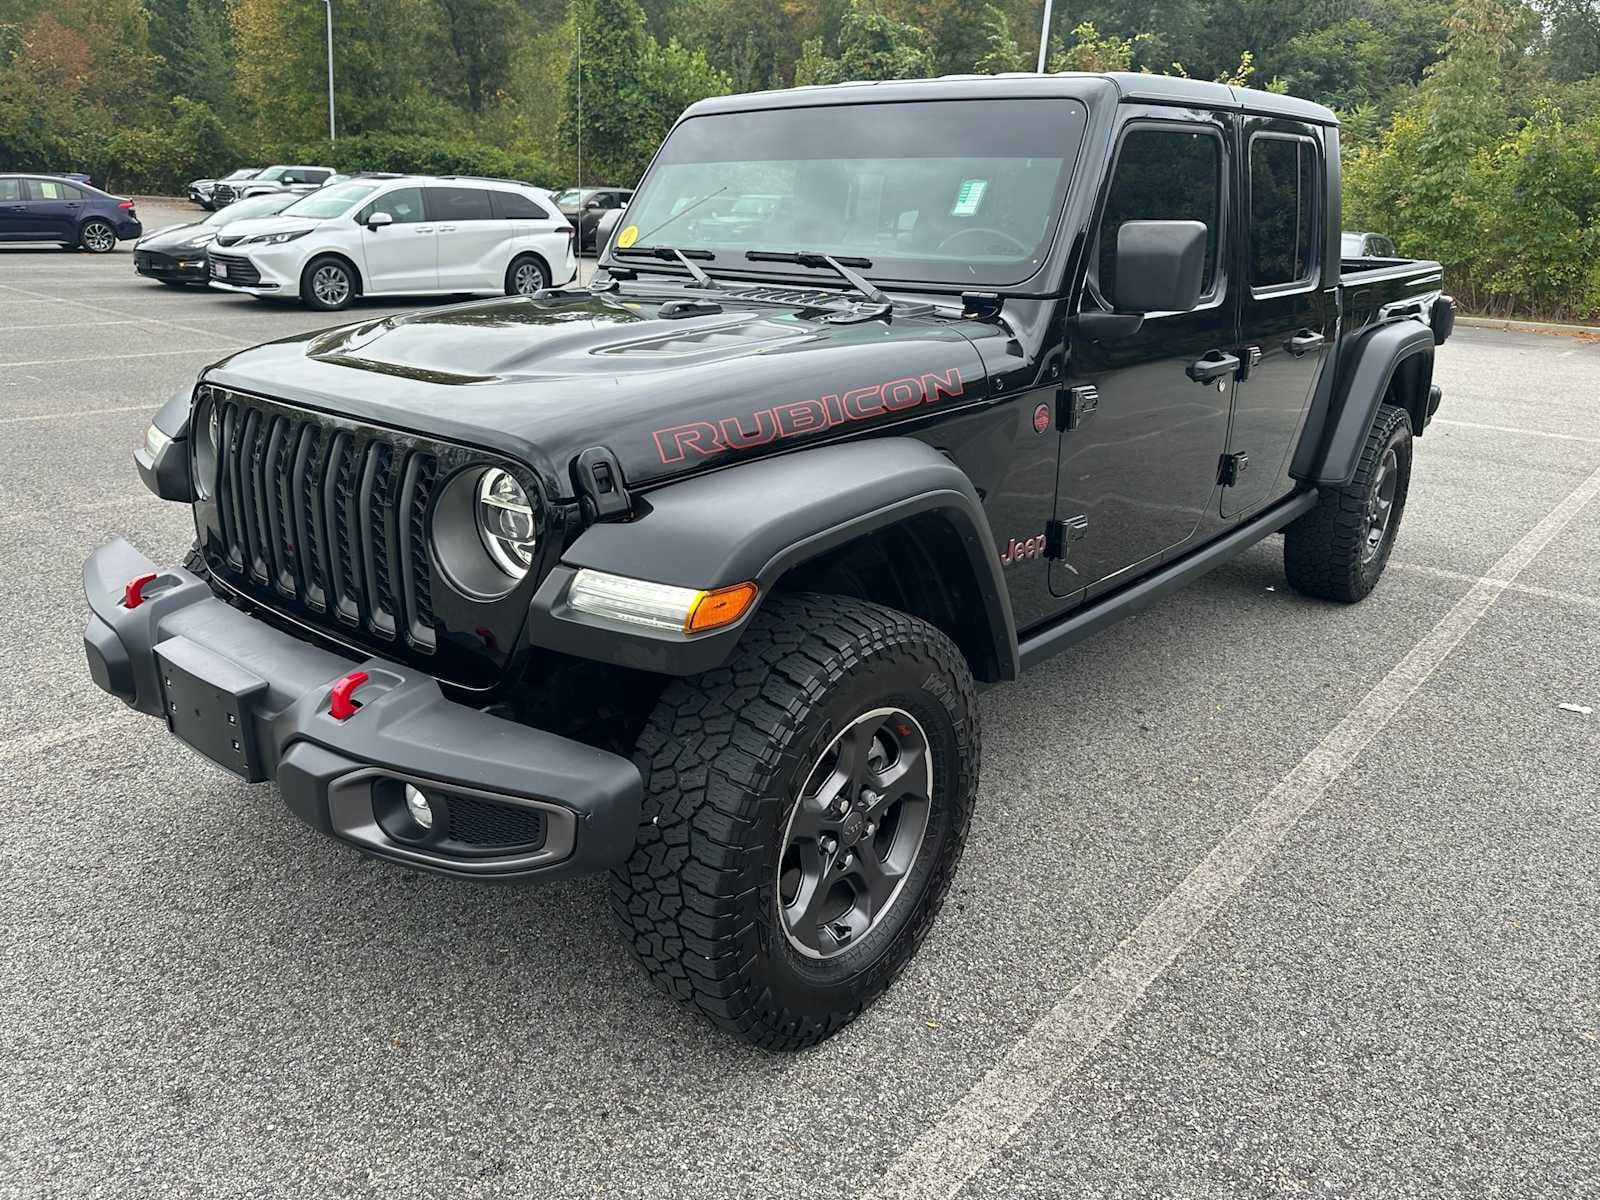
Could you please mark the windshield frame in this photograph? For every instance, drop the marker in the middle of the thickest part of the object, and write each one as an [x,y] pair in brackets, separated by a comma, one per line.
[895,272]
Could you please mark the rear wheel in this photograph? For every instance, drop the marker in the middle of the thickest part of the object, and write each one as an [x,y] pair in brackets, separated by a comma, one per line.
[805,809]
[327,284]
[1339,549]
[97,237]
[525,276]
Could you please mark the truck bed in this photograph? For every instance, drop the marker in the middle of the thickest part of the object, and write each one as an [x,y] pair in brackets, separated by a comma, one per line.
[1377,288]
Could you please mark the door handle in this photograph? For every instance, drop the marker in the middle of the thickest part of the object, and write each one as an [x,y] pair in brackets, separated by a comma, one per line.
[447,229]
[1213,365]
[1304,342]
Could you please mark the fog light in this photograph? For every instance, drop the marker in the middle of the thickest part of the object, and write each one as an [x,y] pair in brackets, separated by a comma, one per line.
[418,806]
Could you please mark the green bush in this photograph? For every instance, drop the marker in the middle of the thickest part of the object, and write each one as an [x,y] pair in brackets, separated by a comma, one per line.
[415,154]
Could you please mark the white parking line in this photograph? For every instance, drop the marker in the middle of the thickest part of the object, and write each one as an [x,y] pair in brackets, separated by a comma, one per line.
[73,325]
[82,412]
[56,362]
[98,308]
[1522,589]
[973,1129]
[1544,433]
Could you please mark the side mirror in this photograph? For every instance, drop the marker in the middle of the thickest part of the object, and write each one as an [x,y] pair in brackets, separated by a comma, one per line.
[379,219]
[593,204]
[1161,266]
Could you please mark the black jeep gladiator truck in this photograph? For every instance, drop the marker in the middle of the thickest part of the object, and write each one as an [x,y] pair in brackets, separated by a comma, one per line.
[691,575]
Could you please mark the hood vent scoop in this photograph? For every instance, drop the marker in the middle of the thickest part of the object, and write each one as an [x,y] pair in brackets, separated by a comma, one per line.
[674,309]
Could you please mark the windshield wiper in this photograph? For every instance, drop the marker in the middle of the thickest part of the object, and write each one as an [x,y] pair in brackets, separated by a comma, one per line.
[671,253]
[839,266]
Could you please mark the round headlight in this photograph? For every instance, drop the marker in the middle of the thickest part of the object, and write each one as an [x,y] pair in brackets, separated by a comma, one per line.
[206,442]
[505,520]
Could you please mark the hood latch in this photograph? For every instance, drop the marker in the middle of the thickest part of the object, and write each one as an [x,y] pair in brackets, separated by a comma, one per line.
[600,485]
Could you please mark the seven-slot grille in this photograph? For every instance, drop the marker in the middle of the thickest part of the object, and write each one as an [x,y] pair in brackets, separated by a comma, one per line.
[332,519]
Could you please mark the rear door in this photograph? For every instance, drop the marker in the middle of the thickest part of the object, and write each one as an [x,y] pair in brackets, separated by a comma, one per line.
[1288,305]
[403,256]
[52,209]
[473,245]
[1139,470]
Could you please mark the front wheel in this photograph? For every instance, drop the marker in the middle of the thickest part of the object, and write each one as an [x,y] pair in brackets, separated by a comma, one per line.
[805,809]
[97,237]
[327,284]
[1338,550]
[525,276]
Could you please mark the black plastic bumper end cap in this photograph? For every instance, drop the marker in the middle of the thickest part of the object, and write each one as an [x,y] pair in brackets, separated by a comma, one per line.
[304,775]
[109,665]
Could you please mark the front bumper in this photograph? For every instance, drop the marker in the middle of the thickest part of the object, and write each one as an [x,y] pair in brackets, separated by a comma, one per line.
[259,702]
[185,268]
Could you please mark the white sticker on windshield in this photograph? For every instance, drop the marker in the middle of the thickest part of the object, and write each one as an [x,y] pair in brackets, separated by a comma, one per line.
[968,197]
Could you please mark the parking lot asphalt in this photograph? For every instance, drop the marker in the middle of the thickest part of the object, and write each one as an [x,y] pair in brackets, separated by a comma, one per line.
[1264,896]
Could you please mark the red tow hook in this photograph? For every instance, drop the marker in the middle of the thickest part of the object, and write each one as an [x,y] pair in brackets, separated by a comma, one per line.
[133,592]
[340,706]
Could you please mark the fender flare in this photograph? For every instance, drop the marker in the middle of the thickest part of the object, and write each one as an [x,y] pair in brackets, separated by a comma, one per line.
[1341,417]
[757,521]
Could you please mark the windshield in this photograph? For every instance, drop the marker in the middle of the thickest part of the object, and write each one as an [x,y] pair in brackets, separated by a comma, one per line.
[242,173]
[569,196]
[330,201]
[966,192]
[239,210]
[273,173]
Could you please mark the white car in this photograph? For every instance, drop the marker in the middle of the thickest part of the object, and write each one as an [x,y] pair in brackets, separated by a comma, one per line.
[415,235]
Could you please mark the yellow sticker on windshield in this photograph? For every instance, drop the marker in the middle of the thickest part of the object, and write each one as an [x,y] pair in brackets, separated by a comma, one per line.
[628,236]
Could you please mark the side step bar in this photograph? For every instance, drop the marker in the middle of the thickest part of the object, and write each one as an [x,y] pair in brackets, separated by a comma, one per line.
[1040,644]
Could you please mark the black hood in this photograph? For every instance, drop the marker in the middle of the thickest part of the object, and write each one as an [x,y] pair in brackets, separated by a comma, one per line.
[544,379]
[174,236]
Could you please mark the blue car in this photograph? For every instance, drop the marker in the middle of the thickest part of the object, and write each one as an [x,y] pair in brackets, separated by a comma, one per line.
[48,208]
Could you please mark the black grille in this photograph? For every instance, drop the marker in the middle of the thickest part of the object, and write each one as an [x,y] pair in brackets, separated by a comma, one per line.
[482,823]
[332,520]
[237,269]
[223,195]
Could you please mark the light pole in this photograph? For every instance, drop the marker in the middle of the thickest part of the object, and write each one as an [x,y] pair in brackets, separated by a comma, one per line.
[1044,40]
[328,4]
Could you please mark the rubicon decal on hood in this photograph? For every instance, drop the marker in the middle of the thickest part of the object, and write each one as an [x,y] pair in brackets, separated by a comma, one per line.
[797,418]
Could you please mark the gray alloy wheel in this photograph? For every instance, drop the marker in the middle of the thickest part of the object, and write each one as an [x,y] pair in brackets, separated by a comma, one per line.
[98,237]
[1381,505]
[855,832]
[525,278]
[328,285]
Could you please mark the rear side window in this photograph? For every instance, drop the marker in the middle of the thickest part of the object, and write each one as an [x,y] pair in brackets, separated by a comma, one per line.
[52,189]
[458,204]
[514,206]
[1284,178]
[1163,175]
[314,176]
[10,189]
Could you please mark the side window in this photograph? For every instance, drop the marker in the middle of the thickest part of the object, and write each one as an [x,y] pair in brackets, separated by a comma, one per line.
[514,206]
[1163,175]
[403,204]
[1284,179]
[51,189]
[458,204]
[1383,247]
[10,190]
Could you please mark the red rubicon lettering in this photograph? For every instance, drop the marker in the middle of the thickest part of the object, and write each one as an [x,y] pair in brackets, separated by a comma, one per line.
[699,436]
[800,418]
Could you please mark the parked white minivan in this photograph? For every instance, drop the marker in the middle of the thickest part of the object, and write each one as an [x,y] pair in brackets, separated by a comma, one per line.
[412,235]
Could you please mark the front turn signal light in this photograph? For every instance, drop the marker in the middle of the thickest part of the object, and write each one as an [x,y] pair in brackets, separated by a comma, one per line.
[722,607]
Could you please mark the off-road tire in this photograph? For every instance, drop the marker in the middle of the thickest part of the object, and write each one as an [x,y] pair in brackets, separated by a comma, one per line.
[724,756]
[1324,552]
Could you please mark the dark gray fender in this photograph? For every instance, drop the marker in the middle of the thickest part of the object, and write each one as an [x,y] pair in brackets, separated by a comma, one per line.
[167,474]
[1343,411]
[756,522]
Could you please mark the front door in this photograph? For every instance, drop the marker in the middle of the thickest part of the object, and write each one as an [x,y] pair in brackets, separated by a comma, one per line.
[13,211]
[1138,472]
[1288,304]
[403,256]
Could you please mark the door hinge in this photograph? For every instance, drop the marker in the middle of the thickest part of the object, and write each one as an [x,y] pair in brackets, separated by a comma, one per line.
[1231,468]
[1058,534]
[1075,404]
[1249,357]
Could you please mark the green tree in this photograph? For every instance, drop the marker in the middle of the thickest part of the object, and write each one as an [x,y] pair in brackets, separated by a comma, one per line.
[481,36]
[873,45]
[1000,50]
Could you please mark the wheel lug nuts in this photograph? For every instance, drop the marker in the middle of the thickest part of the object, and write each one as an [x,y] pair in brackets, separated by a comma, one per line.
[847,859]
